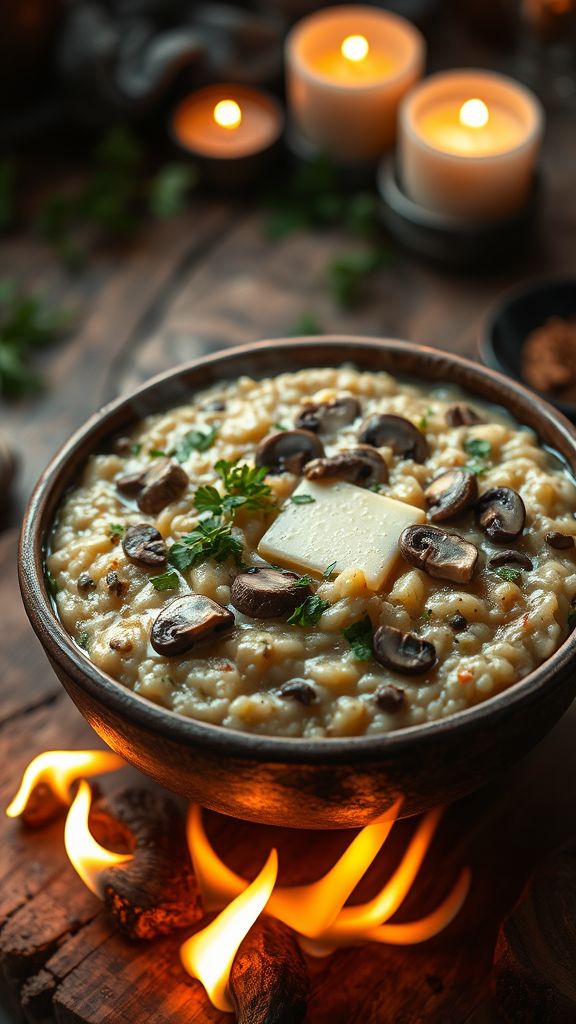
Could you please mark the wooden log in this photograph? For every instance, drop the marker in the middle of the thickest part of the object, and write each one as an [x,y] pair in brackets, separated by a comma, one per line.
[535,957]
[269,979]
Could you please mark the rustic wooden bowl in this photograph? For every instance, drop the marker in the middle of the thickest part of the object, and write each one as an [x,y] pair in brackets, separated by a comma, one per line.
[330,783]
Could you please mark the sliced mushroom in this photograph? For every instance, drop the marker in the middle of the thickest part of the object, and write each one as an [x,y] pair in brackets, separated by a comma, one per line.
[510,557]
[501,514]
[123,446]
[444,555]
[131,483]
[299,690]
[185,622]
[327,417]
[115,585]
[360,465]
[85,583]
[143,545]
[403,652]
[165,482]
[265,593]
[461,415]
[451,493]
[389,698]
[288,451]
[396,433]
[560,541]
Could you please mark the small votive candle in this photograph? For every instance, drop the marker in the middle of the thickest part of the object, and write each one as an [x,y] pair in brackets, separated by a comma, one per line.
[468,143]
[229,129]
[347,69]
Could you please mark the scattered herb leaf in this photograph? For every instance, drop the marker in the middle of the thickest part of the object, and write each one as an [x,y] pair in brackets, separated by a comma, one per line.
[157,453]
[115,531]
[302,499]
[425,419]
[211,539]
[508,572]
[359,636]
[478,468]
[169,580]
[477,447]
[280,426]
[195,441]
[51,582]
[304,581]
[244,488]
[83,639]
[377,488]
[308,613]
[329,570]
[136,448]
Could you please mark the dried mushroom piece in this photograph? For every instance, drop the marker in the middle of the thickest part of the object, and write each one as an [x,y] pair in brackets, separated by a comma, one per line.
[396,433]
[265,593]
[143,544]
[360,465]
[403,652]
[461,415]
[115,585]
[501,514]
[131,483]
[85,583]
[187,621]
[439,553]
[560,541]
[510,557]
[164,483]
[327,417]
[389,698]
[299,690]
[288,451]
[451,493]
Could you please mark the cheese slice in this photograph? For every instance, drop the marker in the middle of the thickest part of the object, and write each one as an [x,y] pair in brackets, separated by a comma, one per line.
[349,525]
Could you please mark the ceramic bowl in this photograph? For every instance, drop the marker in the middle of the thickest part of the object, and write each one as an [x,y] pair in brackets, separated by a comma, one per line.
[321,783]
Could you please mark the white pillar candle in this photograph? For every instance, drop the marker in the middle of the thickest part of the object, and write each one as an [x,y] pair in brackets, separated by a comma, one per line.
[468,143]
[347,70]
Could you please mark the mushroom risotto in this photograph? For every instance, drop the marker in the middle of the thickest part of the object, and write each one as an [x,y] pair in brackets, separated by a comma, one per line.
[324,553]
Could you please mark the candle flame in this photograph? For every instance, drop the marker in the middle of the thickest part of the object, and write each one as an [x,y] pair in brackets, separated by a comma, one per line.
[228,114]
[87,857]
[209,954]
[474,114]
[355,48]
[58,769]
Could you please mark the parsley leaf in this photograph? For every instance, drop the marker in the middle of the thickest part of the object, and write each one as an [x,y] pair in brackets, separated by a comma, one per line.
[308,613]
[329,570]
[211,539]
[136,448]
[302,499]
[508,573]
[280,426]
[304,581]
[243,485]
[166,581]
[83,639]
[477,447]
[195,441]
[157,453]
[359,636]
[115,531]
[51,582]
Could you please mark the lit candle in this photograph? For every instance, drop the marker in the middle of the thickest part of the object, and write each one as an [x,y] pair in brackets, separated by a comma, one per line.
[347,70]
[228,129]
[468,142]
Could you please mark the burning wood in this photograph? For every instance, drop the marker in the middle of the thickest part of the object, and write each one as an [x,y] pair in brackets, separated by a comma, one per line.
[46,788]
[269,980]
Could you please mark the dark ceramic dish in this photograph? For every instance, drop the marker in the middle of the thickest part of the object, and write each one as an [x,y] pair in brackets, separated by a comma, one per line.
[326,783]
[518,312]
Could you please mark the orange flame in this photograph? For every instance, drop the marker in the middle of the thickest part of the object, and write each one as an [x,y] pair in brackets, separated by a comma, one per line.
[87,857]
[58,769]
[209,954]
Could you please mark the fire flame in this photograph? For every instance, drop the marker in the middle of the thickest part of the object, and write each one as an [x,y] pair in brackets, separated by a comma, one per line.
[355,48]
[58,769]
[209,954]
[87,857]
[228,114]
[474,114]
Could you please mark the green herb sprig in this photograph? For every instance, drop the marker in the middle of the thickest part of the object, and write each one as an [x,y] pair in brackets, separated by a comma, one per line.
[480,452]
[169,580]
[115,531]
[359,636]
[244,487]
[509,573]
[212,538]
[309,612]
[195,441]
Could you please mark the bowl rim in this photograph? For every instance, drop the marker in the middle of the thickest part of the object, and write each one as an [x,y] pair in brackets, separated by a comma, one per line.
[219,740]
[516,293]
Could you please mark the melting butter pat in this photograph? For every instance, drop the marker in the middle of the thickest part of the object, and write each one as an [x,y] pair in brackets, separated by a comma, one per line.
[349,525]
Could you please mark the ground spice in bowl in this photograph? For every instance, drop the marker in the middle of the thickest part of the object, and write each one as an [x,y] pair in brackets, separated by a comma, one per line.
[549,358]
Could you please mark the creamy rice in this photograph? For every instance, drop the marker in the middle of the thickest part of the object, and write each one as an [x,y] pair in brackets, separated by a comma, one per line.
[234,678]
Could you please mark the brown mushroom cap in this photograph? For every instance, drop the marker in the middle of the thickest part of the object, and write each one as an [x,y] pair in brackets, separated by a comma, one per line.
[403,652]
[444,555]
[389,698]
[185,622]
[461,415]
[288,451]
[501,514]
[299,690]
[131,483]
[451,493]
[164,482]
[143,545]
[510,557]
[266,593]
[560,541]
[396,433]
[360,465]
[327,417]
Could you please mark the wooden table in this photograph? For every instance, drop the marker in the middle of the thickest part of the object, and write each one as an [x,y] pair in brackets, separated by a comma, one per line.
[207,280]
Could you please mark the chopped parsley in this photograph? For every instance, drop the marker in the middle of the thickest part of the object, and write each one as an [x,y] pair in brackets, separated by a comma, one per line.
[115,531]
[329,570]
[51,583]
[169,580]
[359,636]
[83,639]
[308,613]
[244,487]
[304,581]
[477,447]
[424,420]
[136,448]
[211,539]
[509,573]
[302,499]
[377,488]
[195,441]
[157,453]
[280,426]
